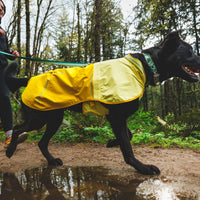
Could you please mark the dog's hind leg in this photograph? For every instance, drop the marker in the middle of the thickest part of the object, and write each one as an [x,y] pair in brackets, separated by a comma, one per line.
[119,127]
[12,81]
[28,125]
[54,120]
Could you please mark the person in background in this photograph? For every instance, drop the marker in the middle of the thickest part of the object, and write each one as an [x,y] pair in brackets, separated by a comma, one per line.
[5,88]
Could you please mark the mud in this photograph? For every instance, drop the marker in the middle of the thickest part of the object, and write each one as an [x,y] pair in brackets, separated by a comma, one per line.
[179,178]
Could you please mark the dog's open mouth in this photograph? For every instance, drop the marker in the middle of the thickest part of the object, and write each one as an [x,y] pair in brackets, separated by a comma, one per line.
[191,70]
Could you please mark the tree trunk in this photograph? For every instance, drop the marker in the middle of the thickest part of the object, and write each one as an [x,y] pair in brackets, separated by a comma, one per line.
[179,89]
[86,44]
[19,31]
[39,31]
[27,72]
[79,35]
[145,101]
[194,13]
[97,31]
[72,34]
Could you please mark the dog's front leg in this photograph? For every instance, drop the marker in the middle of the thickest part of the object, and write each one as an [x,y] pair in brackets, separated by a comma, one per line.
[121,132]
[115,142]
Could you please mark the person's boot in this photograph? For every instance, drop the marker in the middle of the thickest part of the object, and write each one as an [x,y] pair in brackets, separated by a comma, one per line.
[22,137]
[8,138]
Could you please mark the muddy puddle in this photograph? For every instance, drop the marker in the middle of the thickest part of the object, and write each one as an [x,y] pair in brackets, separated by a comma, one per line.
[83,183]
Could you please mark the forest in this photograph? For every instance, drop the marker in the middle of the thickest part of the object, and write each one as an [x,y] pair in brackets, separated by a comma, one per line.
[96,30]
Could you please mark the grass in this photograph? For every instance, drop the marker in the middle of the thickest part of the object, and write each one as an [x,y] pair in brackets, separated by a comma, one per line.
[177,133]
[144,125]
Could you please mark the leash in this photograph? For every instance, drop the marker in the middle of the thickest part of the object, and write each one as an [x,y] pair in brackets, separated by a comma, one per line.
[69,64]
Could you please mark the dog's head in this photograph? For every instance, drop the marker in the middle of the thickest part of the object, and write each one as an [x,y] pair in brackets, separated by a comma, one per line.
[175,58]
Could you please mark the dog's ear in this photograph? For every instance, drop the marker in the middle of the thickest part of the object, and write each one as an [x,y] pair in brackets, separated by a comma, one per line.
[173,35]
[170,43]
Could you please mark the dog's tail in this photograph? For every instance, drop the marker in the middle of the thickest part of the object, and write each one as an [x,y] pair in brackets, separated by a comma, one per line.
[12,81]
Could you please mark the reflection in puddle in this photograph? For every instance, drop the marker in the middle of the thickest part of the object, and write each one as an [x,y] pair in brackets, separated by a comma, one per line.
[80,183]
[156,189]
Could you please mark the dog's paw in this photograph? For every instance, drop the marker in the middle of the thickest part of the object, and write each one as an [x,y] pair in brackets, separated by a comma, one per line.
[112,143]
[55,162]
[149,170]
[10,150]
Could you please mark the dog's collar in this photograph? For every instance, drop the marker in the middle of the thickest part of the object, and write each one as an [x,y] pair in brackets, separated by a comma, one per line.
[152,67]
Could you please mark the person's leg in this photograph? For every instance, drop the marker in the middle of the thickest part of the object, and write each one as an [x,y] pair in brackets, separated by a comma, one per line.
[5,109]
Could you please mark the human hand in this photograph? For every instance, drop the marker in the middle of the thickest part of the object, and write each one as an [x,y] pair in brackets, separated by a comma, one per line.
[15,53]
[2,32]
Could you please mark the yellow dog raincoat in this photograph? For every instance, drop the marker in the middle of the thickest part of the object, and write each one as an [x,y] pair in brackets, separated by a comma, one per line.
[111,82]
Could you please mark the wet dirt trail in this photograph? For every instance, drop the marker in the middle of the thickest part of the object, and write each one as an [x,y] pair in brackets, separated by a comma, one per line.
[180,168]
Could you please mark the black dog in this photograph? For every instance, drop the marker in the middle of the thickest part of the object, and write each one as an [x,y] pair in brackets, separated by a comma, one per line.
[172,58]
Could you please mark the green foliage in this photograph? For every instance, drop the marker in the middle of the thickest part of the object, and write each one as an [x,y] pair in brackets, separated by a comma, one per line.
[180,131]
[83,128]
[2,135]
[144,126]
[142,120]
[35,136]
[176,133]
[15,107]
[86,134]
[139,138]
[99,134]
[67,134]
